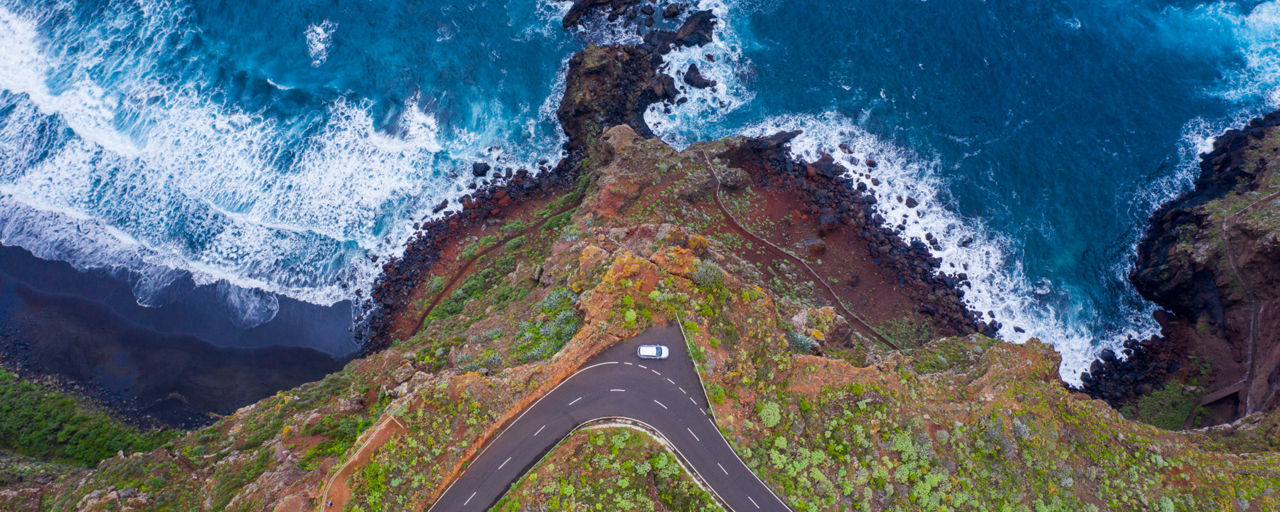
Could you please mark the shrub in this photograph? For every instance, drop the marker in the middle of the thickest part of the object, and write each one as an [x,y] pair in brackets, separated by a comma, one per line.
[542,339]
[708,276]
[770,415]
[45,424]
[799,342]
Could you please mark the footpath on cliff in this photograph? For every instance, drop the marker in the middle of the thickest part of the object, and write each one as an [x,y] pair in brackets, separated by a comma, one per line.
[1211,260]
[762,260]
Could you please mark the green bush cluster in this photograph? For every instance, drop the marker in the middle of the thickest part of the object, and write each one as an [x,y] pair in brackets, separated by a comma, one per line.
[620,470]
[541,339]
[49,425]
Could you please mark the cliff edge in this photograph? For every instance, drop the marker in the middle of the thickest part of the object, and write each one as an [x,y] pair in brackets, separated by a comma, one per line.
[1211,260]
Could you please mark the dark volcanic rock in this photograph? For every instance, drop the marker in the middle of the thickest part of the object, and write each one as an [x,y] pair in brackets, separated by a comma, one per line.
[604,87]
[581,7]
[1214,270]
[694,78]
[609,86]
[697,30]
[838,204]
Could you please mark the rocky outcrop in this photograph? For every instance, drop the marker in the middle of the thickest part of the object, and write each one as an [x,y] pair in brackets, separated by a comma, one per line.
[837,204]
[613,85]
[694,78]
[608,86]
[1211,258]
[605,86]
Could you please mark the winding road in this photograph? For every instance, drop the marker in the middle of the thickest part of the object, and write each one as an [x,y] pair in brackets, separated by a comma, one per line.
[664,395]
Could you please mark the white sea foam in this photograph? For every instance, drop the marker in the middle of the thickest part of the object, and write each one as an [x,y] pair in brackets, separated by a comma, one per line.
[1257,35]
[186,184]
[998,282]
[319,37]
[726,67]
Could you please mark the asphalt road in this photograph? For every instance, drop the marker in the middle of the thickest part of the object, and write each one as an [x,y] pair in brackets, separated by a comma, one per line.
[666,395]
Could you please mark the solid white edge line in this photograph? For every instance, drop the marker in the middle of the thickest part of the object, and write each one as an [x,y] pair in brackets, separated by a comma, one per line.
[702,387]
[517,420]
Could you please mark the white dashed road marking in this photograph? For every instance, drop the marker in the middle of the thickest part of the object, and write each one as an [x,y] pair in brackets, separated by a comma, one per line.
[722,468]
[617,390]
[671,381]
[575,400]
[655,372]
[473,494]
[692,402]
[753,502]
[695,436]
[535,434]
[682,390]
[659,404]
[504,463]
[643,366]
[628,363]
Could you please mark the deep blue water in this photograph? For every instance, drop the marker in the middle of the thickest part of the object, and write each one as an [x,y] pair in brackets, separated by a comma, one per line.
[285,147]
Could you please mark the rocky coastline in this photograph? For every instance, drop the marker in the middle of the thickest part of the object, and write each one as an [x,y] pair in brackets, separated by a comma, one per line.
[1211,260]
[614,85]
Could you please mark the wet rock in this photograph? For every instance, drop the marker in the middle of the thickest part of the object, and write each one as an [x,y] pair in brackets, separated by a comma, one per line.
[671,11]
[694,78]
[480,169]
[697,30]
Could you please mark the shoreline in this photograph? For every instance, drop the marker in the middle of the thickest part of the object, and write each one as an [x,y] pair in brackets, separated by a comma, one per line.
[1211,270]
[633,85]
[181,364]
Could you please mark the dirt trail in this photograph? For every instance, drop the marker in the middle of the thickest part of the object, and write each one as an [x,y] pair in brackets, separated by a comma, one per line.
[336,491]
[466,266]
[1249,385]
[866,327]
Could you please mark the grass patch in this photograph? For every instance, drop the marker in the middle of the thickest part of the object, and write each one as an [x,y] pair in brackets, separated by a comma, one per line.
[45,424]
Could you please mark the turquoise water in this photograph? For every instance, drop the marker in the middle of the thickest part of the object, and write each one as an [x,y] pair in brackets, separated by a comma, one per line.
[286,148]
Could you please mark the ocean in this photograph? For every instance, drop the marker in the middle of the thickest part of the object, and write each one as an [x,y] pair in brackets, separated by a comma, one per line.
[282,151]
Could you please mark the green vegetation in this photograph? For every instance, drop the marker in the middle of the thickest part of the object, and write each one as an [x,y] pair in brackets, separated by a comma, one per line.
[909,330]
[404,471]
[557,322]
[607,469]
[1169,407]
[340,432]
[45,424]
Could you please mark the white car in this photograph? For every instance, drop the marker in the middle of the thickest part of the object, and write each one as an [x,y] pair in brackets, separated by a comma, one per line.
[652,352]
